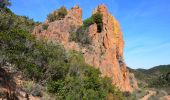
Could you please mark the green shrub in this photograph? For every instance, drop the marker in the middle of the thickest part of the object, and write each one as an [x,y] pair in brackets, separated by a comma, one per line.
[57,15]
[95,18]
[18,45]
[161,81]
[45,26]
[37,91]
[80,36]
[62,12]
[82,82]
[4,3]
[12,21]
[32,88]
[64,73]
[98,20]
[87,22]
[52,17]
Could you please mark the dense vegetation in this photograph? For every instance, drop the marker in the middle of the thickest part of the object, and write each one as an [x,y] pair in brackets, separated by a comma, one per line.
[81,36]
[157,77]
[4,4]
[161,81]
[64,73]
[95,18]
[11,21]
[57,15]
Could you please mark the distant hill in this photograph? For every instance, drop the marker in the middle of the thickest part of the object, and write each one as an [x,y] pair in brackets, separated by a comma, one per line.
[152,72]
[157,70]
[156,77]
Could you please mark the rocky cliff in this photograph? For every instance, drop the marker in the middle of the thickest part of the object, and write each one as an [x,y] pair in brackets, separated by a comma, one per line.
[106,50]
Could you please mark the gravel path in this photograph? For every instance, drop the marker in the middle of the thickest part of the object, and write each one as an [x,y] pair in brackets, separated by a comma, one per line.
[146,97]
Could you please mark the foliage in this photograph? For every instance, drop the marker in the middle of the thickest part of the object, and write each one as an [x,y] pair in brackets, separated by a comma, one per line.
[65,73]
[95,18]
[12,21]
[18,47]
[57,15]
[157,77]
[45,26]
[80,36]
[87,22]
[62,12]
[37,91]
[151,74]
[32,88]
[161,81]
[4,4]
[162,69]
[98,20]
[82,82]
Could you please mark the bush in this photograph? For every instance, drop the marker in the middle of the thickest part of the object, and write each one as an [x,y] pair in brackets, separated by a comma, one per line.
[95,18]
[62,12]
[82,82]
[80,36]
[4,3]
[37,91]
[45,26]
[11,21]
[57,15]
[52,17]
[98,20]
[32,88]
[18,47]
[161,82]
[87,22]
[64,73]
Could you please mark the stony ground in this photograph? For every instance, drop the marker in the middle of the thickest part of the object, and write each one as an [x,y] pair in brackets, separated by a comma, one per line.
[10,85]
[150,93]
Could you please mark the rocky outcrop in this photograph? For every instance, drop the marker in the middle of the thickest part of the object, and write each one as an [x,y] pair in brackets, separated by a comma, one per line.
[59,30]
[106,50]
[133,81]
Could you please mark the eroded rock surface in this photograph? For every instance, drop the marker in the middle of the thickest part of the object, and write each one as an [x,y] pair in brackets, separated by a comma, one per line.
[106,50]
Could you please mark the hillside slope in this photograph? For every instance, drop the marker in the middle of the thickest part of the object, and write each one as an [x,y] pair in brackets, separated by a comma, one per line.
[157,77]
[99,38]
[44,69]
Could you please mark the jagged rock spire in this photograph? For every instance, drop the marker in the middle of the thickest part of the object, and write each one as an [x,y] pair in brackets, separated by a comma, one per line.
[106,49]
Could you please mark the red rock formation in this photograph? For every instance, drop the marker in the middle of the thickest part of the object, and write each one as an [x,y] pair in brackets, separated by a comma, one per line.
[106,50]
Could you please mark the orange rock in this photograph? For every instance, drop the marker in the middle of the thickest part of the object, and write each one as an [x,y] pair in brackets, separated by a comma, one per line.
[106,50]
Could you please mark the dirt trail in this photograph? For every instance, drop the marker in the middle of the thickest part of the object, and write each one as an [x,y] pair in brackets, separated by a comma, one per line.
[146,97]
[165,98]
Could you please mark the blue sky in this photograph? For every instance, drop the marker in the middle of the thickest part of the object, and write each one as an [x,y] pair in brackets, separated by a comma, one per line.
[145,24]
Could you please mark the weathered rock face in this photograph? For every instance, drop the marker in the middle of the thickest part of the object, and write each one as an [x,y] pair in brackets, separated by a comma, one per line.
[106,50]
[59,30]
